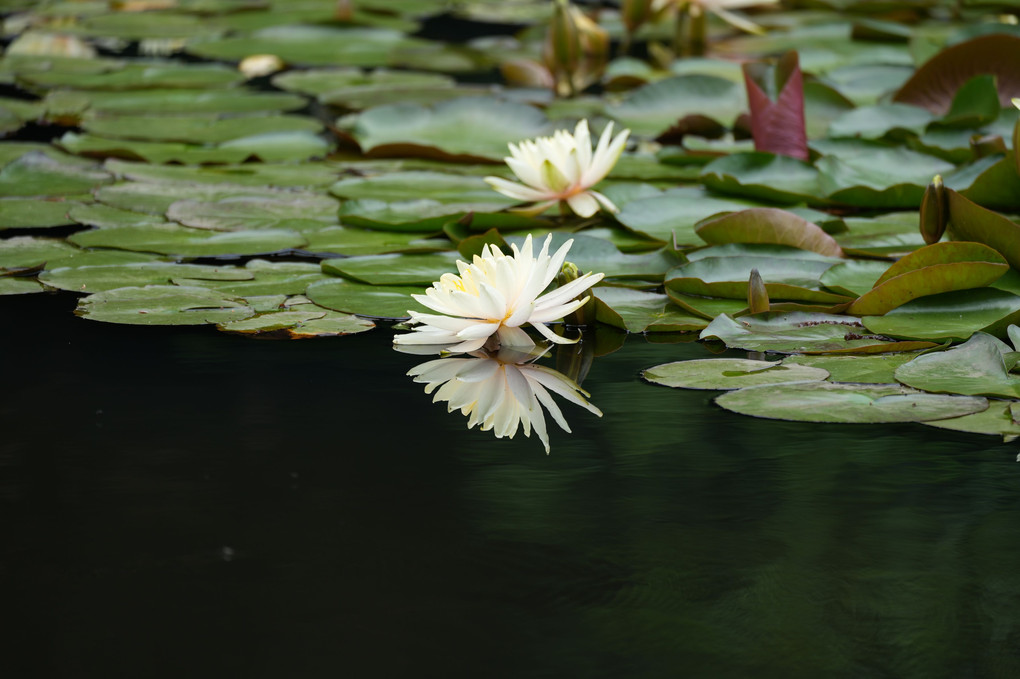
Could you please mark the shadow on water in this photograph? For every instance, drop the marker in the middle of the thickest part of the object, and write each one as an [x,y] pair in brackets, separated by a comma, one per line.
[177,502]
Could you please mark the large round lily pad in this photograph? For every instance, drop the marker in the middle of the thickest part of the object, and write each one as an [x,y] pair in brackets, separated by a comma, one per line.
[163,305]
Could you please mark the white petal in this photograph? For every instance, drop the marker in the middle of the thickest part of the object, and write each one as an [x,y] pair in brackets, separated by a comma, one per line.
[551,336]
[517,191]
[583,204]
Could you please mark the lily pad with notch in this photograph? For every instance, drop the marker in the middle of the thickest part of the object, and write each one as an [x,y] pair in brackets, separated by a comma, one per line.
[729,373]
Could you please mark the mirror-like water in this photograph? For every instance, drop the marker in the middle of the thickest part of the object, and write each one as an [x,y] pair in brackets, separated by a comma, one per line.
[177,502]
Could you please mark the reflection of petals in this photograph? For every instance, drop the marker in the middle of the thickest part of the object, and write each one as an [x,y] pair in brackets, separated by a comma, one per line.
[501,396]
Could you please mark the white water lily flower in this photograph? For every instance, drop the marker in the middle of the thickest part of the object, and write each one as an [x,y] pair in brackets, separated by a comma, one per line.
[494,296]
[562,167]
[501,393]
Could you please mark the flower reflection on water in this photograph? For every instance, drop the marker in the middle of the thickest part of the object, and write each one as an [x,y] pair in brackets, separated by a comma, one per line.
[502,391]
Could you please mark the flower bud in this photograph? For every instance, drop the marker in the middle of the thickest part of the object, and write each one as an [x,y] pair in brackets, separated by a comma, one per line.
[757,295]
[586,314]
[258,65]
[934,211]
[576,49]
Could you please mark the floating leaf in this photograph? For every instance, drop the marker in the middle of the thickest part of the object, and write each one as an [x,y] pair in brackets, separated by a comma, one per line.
[162,305]
[470,128]
[196,129]
[304,175]
[847,403]
[785,278]
[296,211]
[655,108]
[344,241]
[420,270]
[375,301]
[771,226]
[855,277]
[764,176]
[975,367]
[729,373]
[931,270]
[98,278]
[9,285]
[300,324]
[640,311]
[171,239]
[34,213]
[797,332]
[951,315]
[675,212]
[875,369]
[28,252]
[40,174]
[596,254]
[881,120]
[997,420]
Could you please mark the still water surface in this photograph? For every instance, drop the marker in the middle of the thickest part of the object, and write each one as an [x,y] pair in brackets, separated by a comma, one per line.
[179,502]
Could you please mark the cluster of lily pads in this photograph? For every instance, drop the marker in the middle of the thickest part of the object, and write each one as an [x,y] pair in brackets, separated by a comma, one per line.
[175,188]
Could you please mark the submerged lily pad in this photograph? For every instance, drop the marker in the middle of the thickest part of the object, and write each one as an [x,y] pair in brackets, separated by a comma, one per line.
[847,403]
[163,305]
[729,373]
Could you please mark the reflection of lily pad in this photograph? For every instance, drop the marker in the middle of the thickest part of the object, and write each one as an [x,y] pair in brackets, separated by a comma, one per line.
[847,403]
[729,373]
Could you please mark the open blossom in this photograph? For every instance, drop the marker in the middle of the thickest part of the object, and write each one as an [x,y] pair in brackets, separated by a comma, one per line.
[494,296]
[502,392]
[562,167]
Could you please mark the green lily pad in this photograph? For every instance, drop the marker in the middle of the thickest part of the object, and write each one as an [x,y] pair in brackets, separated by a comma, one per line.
[469,128]
[998,420]
[874,369]
[155,198]
[99,278]
[654,108]
[396,269]
[865,174]
[162,305]
[170,102]
[421,215]
[314,46]
[34,213]
[171,239]
[442,187]
[600,256]
[951,315]
[351,242]
[196,129]
[295,211]
[268,147]
[847,403]
[640,311]
[138,76]
[301,324]
[854,277]
[763,176]
[729,373]
[40,174]
[890,235]
[374,301]
[707,307]
[28,252]
[304,175]
[320,81]
[264,278]
[881,120]
[10,285]
[769,226]
[802,333]
[105,216]
[975,367]
[675,212]
[931,270]
[785,278]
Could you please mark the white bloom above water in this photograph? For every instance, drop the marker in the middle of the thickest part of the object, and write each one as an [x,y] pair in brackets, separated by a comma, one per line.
[562,167]
[494,296]
[501,392]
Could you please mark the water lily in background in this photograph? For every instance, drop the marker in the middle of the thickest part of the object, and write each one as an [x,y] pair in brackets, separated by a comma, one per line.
[502,392]
[562,168]
[494,296]
[721,8]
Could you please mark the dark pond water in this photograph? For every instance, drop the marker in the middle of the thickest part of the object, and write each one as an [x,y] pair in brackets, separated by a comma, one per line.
[178,502]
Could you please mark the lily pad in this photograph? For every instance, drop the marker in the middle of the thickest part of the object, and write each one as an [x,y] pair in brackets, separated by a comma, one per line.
[320,81]
[40,174]
[162,305]
[847,403]
[296,211]
[854,277]
[785,278]
[653,109]
[770,226]
[875,369]
[458,129]
[170,102]
[443,187]
[351,242]
[300,324]
[997,420]
[396,269]
[931,270]
[374,301]
[968,221]
[107,277]
[171,239]
[675,213]
[28,252]
[729,373]
[10,285]
[304,175]
[34,213]
[975,367]
[951,315]
[640,311]
[105,216]
[196,129]
[763,176]
[802,333]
